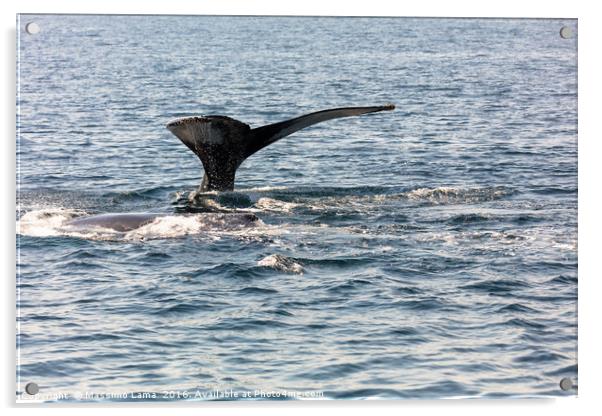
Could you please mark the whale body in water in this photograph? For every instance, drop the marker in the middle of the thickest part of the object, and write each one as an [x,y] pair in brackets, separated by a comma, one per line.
[117,222]
[128,222]
[223,143]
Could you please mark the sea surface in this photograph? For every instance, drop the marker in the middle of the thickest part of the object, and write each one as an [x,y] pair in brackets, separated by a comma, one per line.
[429,252]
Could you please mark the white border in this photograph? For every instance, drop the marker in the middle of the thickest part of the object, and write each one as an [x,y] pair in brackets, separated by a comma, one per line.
[466,8]
[589,190]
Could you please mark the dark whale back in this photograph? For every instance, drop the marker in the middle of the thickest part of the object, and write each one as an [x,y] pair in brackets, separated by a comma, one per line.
[129,222]
[117,222]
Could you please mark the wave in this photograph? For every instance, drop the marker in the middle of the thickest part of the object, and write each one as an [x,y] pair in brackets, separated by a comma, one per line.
[174,226]
[469,218]
[153,193]
[482,240]
[497,287]
[516,308]
[445,194]
[361,200]
[282,263]
[332,200]
[274,205]
[265,189]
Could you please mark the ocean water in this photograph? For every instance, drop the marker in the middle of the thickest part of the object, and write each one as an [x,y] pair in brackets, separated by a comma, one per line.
[428,252]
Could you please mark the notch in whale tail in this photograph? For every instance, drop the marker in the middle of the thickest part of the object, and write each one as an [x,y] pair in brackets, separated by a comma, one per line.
[222,143]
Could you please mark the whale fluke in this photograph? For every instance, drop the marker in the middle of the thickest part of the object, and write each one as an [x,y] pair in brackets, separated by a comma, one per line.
[223,143]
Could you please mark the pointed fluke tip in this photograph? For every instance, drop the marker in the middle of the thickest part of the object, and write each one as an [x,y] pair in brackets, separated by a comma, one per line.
[184,120]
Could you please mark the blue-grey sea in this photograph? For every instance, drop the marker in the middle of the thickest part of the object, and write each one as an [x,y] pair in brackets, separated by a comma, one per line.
[428,252]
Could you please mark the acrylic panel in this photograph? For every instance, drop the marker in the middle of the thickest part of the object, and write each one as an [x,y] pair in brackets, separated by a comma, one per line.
[303,208]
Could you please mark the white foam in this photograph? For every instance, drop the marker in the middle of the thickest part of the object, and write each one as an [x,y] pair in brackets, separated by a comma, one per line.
[167,227]
[265,189]
[445,194]
[445,237]
[45,222]
[422,193]
[282,263]
[566,247]
[211,203]
[269,204]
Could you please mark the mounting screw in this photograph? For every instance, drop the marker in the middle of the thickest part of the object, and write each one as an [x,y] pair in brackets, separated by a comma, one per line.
[32,28]
[566,32]
[32,389]
[566,384]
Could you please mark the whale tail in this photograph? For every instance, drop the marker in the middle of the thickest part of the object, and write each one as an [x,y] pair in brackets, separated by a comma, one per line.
[223,143]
